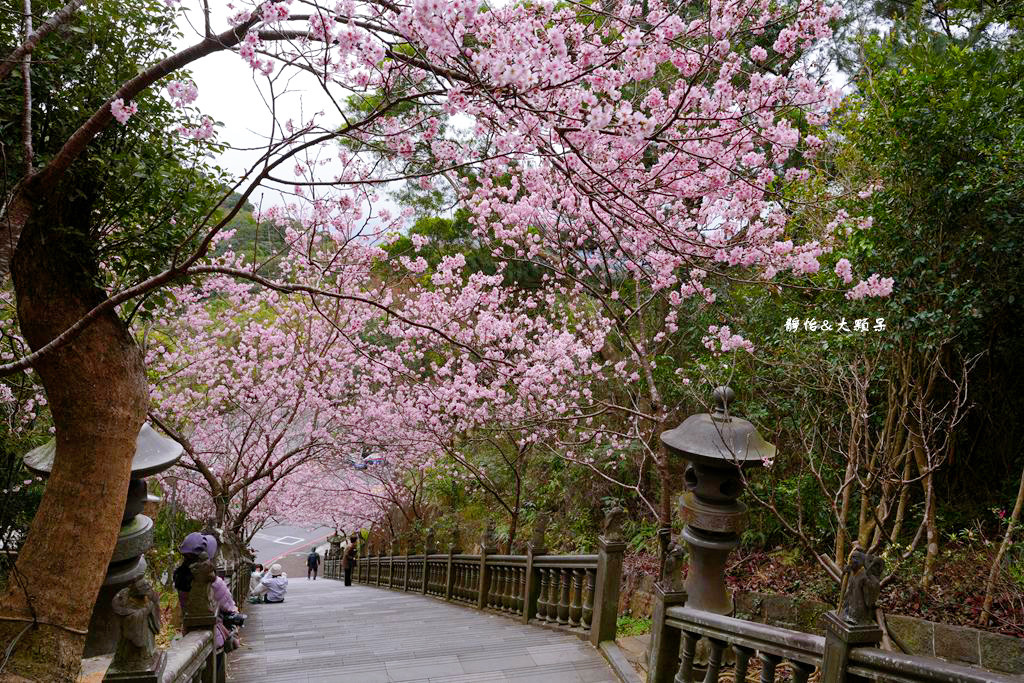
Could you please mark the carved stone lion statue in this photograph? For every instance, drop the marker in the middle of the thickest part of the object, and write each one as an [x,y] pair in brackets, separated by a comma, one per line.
[672,574]
[613,521]
[138,607]
[540,528]
[862,587]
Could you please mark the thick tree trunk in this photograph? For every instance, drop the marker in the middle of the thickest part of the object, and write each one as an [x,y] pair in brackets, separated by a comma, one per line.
[97,391]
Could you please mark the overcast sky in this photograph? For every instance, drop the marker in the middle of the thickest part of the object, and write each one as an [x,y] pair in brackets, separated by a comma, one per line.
[233,95]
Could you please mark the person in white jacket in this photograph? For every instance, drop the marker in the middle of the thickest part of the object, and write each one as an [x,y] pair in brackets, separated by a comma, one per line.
[272,588]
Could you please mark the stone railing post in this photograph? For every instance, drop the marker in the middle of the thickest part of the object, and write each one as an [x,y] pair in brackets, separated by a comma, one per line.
[536,546]
[428,550]
[379,572]
[391,566]
[488,546]
[854,625]
[405,581]
[449,578]
[610,550]
[200,611]
[663,650]
[334,553]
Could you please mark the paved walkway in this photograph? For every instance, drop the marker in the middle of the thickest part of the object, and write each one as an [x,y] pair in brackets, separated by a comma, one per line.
[325,632]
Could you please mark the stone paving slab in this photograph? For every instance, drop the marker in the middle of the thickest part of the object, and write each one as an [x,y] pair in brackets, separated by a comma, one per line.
[325,633]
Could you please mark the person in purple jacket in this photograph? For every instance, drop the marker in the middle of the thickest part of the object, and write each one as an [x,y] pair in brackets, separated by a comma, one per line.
[190,548]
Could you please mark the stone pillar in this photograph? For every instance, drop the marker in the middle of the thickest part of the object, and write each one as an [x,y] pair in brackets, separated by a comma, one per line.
[717,446]
[429,548]
[453,550]
[663,651]
[610,549]
[534,548]
[391,566]
[854,625]
[332,558]
[488,546]
[405,576]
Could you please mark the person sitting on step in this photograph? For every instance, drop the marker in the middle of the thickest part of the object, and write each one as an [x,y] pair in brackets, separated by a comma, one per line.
[272,588]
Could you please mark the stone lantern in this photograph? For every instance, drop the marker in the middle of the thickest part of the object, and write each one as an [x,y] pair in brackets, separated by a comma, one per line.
[153,454]
[717,446]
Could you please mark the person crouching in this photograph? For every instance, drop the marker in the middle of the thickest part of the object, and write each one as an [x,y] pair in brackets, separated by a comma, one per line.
[272,588]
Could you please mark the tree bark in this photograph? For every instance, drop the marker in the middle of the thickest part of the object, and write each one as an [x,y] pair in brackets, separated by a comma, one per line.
[97,390]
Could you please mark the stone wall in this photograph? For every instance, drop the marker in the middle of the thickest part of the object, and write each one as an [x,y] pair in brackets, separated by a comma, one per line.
[991,651]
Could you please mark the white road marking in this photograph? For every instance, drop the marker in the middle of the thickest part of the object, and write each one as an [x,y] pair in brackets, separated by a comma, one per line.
[289,540]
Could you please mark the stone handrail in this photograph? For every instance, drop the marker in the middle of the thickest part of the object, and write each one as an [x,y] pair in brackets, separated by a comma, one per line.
[676,631]
[874,663]
[579,593]
[191,659]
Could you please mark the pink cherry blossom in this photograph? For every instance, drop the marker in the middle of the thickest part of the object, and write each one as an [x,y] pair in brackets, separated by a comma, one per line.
[121,111]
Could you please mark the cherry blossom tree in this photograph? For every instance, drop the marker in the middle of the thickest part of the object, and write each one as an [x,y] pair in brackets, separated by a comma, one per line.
[621,139]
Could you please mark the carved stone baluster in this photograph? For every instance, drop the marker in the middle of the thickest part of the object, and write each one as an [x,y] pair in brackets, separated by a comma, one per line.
[686,650]
[563,601]
[768,664]
[588,599]
[499,597]
[743,655]
[521,591]
[495,587]
[714,660]
[509,592]
[513,588]
[576,606]
[555,592]
[542,599]
[801,671]
[554,576]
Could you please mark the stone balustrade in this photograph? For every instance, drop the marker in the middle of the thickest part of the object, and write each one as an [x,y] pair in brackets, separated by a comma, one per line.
[678,630]
[578,593]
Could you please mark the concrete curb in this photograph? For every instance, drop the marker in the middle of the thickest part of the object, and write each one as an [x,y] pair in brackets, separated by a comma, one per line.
[620,665]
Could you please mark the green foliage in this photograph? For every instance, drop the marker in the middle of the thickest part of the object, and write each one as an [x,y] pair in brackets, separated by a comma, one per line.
[169,528]
[627,625]
[451,236]
[944,133]
[148,187]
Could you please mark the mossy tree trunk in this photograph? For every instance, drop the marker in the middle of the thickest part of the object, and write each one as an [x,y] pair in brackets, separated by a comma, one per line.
[97,391]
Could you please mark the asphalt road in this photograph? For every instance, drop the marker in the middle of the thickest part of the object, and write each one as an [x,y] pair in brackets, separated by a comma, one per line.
[289,545]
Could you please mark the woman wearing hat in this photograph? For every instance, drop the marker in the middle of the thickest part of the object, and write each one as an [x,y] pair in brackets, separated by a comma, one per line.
[272,588]
[192,550]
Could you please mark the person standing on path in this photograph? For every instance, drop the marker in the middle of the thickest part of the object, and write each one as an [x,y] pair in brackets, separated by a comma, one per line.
[349,559]
[312,564]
